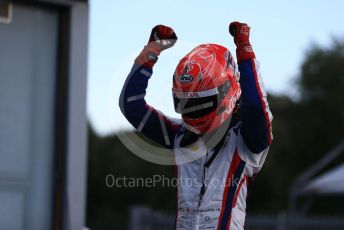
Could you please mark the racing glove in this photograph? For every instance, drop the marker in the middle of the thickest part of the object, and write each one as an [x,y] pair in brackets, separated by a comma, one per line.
[161,38]
[241,35]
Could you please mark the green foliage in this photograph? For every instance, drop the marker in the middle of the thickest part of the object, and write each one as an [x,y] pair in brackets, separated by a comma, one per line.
[304,130]
[107,206]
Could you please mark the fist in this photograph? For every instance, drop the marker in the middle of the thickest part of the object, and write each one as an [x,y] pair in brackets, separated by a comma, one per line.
[163,37]
[240,32]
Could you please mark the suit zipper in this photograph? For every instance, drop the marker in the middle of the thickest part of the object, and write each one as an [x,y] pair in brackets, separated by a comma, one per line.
[202,191]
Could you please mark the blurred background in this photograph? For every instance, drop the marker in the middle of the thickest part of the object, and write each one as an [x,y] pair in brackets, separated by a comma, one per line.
[300,45]
[63,64]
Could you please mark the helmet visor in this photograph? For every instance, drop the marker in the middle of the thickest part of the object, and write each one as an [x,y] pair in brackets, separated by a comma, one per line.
[195,107]
[199,104]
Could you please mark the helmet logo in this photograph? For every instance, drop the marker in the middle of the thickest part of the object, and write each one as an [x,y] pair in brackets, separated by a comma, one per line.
[185,78]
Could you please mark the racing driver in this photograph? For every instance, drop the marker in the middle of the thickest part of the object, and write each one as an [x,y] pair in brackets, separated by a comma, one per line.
[224,134]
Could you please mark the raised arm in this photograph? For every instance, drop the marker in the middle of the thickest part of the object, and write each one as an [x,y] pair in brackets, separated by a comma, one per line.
[254,109]
[143,117]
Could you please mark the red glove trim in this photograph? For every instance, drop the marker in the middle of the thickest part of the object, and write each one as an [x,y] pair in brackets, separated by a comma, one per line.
[148,56]
[245,52]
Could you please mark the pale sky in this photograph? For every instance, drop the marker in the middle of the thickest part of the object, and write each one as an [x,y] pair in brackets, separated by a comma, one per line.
[281,33]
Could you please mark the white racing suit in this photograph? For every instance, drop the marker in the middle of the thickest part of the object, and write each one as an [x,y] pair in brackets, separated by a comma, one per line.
[212,188]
